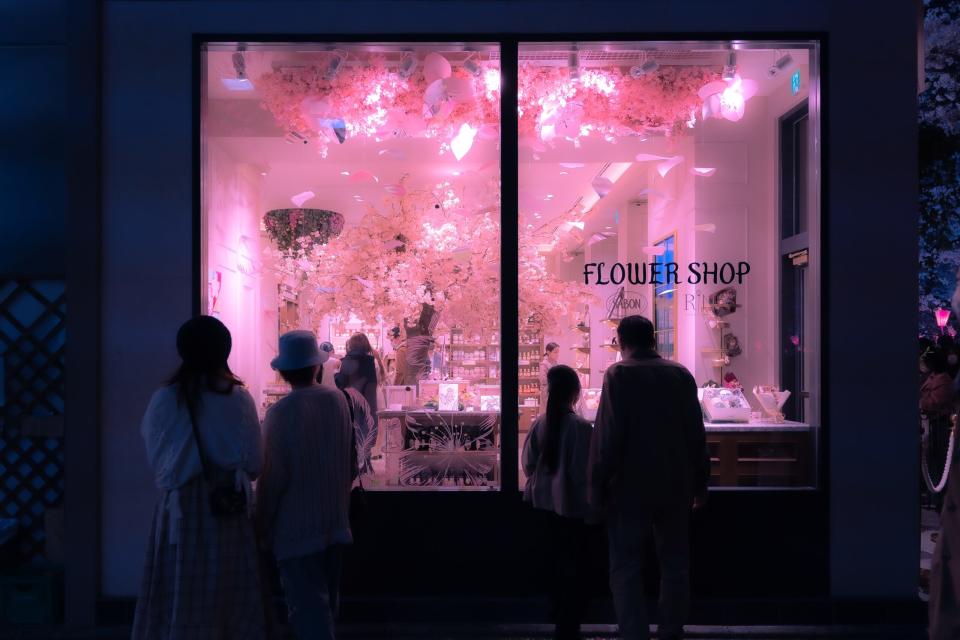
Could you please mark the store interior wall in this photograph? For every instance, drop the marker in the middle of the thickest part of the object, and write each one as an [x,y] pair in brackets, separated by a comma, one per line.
[148,264]
[235,275]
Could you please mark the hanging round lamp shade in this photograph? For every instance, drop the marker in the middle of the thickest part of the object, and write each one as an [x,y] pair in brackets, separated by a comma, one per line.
[286,226]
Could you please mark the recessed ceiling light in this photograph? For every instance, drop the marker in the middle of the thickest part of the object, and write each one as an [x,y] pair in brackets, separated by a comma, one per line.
[563,173]
[456,173]
[609,227]
[344,173]
[263,173]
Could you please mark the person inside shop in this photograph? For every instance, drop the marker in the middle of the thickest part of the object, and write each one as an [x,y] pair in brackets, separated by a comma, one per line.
[202,436]
[936,403]
[551,356]
[397,373]
[363,370]
[330,368]
[648,466]
[303,493]
[555,463]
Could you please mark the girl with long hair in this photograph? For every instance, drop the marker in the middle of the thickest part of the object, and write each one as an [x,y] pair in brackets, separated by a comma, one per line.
[361,369]
[201,430]
[555,462]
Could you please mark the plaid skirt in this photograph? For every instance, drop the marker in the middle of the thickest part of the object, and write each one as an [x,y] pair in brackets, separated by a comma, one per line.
[207,585]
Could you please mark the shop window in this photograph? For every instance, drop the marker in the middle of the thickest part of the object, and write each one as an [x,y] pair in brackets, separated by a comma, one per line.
[354,190]
[649,178]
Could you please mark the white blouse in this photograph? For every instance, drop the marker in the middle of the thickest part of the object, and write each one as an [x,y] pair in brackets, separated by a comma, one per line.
[229,429]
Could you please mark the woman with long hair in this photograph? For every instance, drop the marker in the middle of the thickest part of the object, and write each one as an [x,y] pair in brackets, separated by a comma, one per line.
[551,357]
[202,434]
[362,370]
[555,462]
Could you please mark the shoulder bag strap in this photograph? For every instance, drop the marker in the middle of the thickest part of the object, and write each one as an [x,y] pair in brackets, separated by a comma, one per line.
[196,438]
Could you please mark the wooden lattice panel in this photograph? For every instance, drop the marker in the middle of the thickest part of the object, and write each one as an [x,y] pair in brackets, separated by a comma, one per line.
[32,348]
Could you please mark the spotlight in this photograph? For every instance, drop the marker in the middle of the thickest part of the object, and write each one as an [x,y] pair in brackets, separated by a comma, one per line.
[333,67]
[472,67]
[407,66]
[640,70]
[574,63]
[730,69]
[241,82]
[782,64]
[293,137]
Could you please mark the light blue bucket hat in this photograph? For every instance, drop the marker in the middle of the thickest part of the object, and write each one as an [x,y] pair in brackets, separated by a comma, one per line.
[298,350]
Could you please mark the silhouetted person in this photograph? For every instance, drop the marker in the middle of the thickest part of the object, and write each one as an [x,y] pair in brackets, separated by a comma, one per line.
[201,575]
[648,466]
[555,463]
[304,491]
[944,606]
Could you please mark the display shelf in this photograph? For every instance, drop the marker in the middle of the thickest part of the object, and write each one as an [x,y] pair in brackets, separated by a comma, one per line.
[581,349]
[610,347]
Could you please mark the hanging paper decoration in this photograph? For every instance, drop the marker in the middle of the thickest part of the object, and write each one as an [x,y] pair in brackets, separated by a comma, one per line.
[726,99]
[645,157]
[393,154]
[664,167]
[363,177]
[463,141]
[597,237]
[300,198]
[436,67]
[602,185]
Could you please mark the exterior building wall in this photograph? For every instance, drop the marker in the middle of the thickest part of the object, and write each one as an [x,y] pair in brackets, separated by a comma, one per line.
[869,235]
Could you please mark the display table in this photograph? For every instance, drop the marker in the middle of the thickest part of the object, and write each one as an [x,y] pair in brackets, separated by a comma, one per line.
[458,450]
[761,454]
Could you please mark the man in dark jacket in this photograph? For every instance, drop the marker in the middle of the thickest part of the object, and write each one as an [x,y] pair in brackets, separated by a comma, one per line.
[648,466]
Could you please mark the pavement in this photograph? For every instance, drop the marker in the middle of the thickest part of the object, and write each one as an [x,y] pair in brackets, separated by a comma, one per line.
[524,632]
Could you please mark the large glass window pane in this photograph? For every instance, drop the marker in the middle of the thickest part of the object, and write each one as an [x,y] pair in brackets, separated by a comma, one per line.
[650,183]
[353,190]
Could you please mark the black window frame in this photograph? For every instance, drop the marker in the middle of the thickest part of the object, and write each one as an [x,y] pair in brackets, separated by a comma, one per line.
[509,175]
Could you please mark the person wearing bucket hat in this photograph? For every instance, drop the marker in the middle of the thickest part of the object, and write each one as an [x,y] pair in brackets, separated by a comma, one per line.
[303,493]
[298,350]
[202,404]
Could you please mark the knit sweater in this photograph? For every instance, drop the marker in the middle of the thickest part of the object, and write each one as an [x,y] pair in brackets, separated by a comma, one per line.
[303,493]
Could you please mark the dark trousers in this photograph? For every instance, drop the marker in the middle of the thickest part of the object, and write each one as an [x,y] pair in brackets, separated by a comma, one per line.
[569,580]
[628,535]
[311,585]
